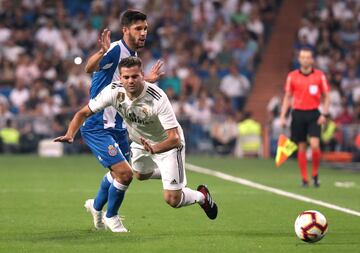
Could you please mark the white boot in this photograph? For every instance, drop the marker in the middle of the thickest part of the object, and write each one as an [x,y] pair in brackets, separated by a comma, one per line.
[114,224]
[97,215]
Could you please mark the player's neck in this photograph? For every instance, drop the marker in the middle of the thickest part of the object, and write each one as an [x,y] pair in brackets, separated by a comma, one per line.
[306,70]
[128,44]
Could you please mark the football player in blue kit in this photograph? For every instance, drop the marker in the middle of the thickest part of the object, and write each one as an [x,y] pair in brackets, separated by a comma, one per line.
[104,132]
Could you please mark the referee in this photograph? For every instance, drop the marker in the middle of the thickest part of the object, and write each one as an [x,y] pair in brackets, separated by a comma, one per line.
[304,89]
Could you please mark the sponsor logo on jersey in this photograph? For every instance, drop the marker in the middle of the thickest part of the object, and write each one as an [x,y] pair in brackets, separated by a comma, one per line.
[139,115]
[112,150]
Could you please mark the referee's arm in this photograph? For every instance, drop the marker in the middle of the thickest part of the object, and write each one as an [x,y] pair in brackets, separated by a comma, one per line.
[325,110]
[285,108]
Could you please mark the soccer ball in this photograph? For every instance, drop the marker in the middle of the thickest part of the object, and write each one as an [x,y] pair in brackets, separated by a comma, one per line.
[311,226]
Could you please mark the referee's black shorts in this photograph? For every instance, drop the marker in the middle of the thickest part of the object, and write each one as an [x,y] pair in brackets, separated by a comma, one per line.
[304,124]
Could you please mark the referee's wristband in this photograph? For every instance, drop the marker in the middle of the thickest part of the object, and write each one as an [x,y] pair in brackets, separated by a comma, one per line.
[326,115]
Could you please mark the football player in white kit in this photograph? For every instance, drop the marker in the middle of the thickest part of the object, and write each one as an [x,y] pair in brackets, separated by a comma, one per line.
[157,138]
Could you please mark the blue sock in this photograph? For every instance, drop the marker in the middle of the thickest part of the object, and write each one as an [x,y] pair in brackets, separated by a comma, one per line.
[116,196]
[102,195]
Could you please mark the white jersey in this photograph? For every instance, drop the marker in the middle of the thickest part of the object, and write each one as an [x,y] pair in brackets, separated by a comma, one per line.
[147,116]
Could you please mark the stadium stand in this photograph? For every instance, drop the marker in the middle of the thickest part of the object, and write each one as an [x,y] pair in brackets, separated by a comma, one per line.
[42,85]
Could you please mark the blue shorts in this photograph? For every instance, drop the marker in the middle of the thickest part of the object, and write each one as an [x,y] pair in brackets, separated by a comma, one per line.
[108,147]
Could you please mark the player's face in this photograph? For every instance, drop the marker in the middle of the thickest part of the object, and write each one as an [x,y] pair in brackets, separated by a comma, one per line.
[136,34]
[132,79]
[306,59]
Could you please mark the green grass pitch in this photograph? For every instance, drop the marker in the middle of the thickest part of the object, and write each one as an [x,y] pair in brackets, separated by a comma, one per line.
[41,210]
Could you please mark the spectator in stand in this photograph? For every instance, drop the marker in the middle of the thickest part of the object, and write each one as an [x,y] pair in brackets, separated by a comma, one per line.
[236,87]
[10,137]
[309,31]
[20,94]
[249,140]
[5,114]
[27,69]
[53,34]
[200,120]
[224,135]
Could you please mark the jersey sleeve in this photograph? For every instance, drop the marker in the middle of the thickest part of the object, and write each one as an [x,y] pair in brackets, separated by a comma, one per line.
[104,99]
[288,84]
[166,114]
[110,58]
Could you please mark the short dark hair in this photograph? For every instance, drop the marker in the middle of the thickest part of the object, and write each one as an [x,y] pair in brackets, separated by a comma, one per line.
[307,49]
[131,16]
[129,62]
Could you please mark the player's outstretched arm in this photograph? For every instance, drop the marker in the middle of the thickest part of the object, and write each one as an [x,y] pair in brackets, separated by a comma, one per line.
[75,125]
[171,142]
[104,42]
[156,72]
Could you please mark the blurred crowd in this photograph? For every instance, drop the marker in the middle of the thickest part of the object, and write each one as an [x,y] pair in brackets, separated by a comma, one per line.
[331,28]
[210,49]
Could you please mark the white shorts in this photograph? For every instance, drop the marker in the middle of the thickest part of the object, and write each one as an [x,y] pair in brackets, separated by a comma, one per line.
[170,163]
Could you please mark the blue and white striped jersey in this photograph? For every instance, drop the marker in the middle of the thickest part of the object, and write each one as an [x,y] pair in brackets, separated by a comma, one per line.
[108,72]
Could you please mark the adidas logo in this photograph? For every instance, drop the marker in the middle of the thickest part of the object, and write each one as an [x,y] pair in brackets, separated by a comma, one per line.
[173,182]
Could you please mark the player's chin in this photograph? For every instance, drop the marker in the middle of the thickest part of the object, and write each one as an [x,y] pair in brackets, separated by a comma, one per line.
[140,44]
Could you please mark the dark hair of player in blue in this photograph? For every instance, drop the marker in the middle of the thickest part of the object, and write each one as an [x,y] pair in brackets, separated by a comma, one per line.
[131,16]
[129,62]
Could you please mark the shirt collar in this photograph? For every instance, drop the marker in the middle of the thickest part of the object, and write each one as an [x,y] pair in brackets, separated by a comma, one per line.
[311,72]
[132,52]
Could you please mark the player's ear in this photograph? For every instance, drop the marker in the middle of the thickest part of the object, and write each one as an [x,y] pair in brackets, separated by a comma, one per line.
[125,29]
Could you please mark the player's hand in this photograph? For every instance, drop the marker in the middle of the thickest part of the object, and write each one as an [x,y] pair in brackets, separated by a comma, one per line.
[104,41]
[321,120]
[283,122]
[156,72]
[148,147]
[64,138]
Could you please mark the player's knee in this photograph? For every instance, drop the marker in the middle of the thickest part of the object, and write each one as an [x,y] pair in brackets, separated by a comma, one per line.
[172,200]
[142,177]
[127,177]
[124,176]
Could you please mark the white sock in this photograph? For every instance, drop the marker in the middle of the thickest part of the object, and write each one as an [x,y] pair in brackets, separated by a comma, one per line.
[109,177]
[119,186]
[189,197]
[156,174]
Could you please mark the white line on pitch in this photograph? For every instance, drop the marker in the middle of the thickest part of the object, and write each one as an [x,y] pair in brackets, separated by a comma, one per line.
[269,189]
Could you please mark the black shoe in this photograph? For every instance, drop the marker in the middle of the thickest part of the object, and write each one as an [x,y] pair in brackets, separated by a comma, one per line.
[305,184]
[209,206]
[316,181]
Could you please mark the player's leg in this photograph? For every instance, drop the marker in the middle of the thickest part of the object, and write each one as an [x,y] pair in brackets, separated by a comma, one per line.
[299,135]
[176,194]
[314,133]
[143,166]
[122,175]
[95,206]
[302,163]
[107,151]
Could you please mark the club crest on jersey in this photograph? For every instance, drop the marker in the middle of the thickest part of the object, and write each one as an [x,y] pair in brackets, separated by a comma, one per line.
[313,89]
[112,150]
[121,96]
